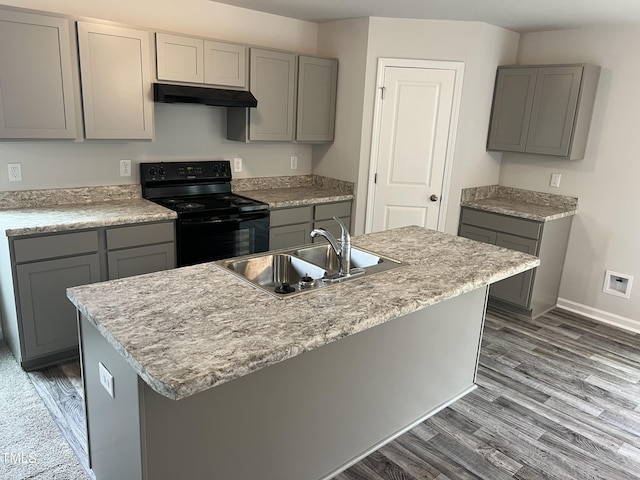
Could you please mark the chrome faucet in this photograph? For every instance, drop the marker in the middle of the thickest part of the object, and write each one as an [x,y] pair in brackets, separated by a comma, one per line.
[342,251]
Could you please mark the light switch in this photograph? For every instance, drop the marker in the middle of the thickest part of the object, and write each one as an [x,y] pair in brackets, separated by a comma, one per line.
[555,180]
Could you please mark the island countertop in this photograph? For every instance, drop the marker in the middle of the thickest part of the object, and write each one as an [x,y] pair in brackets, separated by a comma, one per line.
[189,329]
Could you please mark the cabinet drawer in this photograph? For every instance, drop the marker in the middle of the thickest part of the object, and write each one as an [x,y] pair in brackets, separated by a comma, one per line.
[52,246]
[289,216]
[502,223]
[330,210]
[289,236]
[478,234]
[124,237]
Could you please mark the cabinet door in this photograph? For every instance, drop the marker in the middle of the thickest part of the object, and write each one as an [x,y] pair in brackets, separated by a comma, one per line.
[289,236]
[332,227]
[225,64]
[272,77]
[478,234]
[116,82]
[512,105]
[554,110]
[137,261]
[516,289]
[317,84]
[48,317]
[36,78]
[179,58]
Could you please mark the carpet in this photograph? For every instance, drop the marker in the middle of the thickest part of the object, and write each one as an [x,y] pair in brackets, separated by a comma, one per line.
[31,446]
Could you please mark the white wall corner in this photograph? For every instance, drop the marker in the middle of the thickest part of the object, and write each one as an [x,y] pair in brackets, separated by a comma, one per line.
[600,315]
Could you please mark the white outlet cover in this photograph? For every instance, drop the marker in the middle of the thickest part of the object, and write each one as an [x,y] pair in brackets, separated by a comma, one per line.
[15,172]
[106,379]
[237,165]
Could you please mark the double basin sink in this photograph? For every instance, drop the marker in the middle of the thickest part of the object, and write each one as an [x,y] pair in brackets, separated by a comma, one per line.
[286,273]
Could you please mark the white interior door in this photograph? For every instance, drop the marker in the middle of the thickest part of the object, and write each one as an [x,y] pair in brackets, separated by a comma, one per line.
[416,118]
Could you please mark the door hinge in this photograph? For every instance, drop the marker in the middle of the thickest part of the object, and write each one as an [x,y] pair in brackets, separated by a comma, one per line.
[382,91]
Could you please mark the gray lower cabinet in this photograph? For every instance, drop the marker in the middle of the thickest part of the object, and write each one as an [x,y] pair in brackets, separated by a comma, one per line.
[535,291]
[129,252]
[48,318]
[543,109]
[292,226]
[39,322]
[323,217]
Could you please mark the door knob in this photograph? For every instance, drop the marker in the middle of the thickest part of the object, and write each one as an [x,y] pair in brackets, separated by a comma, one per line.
[434,198]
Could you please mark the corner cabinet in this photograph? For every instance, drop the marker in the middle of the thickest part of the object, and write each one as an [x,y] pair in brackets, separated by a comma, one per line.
[198,60]
[317,87]
[34,48]
[535,291]
[296,99]
[115,75]
[543,110]
[39,322]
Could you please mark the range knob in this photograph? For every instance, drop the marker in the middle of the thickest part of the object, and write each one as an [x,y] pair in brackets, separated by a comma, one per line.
[152,171]
[161,171]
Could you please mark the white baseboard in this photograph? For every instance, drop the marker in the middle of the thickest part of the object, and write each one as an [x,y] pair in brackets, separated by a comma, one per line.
[600,315]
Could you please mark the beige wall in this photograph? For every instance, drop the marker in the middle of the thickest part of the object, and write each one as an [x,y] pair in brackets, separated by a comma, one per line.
[480,46]
[347,41]
[183,132]
[606,233]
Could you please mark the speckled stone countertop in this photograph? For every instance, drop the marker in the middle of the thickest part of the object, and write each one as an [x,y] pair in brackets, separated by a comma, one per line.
[294,191]
[49,211]
[189,329]
[519,203]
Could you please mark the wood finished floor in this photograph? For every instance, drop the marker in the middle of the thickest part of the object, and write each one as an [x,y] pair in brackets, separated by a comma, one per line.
[557,398]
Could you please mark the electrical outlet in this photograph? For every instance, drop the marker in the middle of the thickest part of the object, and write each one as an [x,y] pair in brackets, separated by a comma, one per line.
[15,172]
[106,379]
[555,180]
[237,164]
[294,162]
[125,168]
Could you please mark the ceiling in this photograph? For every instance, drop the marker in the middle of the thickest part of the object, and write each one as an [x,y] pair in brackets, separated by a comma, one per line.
[517,15]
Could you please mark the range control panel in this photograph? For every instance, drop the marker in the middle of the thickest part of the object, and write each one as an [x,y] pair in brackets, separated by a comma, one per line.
[210,170]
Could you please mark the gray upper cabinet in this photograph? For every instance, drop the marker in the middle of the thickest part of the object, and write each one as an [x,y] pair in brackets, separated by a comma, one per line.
[197,60]
[272,82]
[296,99]
[543,110]
[34,48]
[116,82]
[225,64]
[317,85]
[179,58]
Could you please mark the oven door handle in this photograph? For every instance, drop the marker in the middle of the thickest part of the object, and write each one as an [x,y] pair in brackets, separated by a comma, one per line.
[246,218]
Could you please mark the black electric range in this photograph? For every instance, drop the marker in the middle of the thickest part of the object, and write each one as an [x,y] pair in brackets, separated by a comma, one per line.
[213,222]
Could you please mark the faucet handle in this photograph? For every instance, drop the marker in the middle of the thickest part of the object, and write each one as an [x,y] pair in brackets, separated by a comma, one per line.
[344,234]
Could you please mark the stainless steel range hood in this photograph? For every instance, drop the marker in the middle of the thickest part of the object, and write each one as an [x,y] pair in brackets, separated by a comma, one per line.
[168,93]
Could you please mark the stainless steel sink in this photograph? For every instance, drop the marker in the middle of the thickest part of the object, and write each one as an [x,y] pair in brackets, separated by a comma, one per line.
[293,271]
[279,272]
[324,256]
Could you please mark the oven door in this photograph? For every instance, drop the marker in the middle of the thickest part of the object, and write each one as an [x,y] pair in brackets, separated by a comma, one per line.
[206,239]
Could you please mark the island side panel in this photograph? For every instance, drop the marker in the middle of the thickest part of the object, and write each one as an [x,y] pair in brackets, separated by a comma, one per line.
[314,415]
[113,423]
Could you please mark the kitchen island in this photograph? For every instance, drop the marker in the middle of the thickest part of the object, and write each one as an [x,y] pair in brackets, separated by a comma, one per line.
[213,378]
